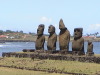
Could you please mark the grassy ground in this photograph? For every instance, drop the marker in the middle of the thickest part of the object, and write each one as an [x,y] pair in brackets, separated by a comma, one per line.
[58,65]
[12,71]
[97,55]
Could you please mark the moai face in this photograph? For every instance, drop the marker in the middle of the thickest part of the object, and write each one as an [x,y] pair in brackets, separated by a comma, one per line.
[51,29]
[40,29]
[51,43]
[61,25]
[78,42]
[77,33]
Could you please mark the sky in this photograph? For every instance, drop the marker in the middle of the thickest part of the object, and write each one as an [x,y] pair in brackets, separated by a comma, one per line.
[26,15]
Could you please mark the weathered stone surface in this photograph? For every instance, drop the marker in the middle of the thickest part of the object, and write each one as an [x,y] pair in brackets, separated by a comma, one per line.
[64,36]
[55,56]
[52,51]
[78,42]
[64,52]
[78,53]
[52,39]
[28,50]
[39,44]
[90,49]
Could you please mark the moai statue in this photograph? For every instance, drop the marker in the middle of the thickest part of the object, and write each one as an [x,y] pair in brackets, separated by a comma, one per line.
[39,45]
[52,39]
[64,37]
[78,42]
[90,49]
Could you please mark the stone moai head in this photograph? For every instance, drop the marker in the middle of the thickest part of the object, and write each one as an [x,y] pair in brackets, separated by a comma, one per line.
[78,33]
[90,46]
[89,42]
[61,25]
[40,29]
[51,29]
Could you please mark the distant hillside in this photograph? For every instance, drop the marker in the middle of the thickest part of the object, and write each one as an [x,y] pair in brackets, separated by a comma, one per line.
[9,35]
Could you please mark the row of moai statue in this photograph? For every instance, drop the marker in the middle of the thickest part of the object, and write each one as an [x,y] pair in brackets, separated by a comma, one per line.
[64,39]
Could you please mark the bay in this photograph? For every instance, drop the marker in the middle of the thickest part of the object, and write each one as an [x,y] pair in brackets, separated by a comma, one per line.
[19,46]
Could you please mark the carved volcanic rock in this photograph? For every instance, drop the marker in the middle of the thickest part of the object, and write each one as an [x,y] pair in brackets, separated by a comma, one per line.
[78,42]
[52,39]
[90,49]
[39,45]
[64,36]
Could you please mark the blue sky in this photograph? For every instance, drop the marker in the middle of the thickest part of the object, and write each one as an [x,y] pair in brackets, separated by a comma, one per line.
[26,15]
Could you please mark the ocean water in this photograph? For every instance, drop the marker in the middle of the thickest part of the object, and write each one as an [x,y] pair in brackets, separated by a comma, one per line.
[19,46]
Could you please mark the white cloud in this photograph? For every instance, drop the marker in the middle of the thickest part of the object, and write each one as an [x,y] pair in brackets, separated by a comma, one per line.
[45,19]
[94,28]
[56,25]
[3,27]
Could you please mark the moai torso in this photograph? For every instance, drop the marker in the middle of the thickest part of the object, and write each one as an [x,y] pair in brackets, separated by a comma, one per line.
[52,39]
[78,45]
[90,47]
[78,42]
[40,42]
[39,45]
[64,36]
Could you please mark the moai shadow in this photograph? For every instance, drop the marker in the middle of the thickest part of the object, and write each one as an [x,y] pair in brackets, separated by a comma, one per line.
[52,39]
[39,45]
[64,38]
[90,49]
[78,42]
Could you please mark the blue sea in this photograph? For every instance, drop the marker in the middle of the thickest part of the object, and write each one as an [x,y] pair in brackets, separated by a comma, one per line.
[19,46]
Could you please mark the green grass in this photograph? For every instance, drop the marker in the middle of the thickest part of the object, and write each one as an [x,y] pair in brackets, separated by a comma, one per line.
[12,71]
[58,65]
[97,55]
[70,66]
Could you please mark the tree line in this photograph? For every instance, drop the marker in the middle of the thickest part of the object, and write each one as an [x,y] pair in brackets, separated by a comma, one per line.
[94,34]
[10,31]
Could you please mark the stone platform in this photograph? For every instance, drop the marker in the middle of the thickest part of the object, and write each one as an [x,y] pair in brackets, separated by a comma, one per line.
[55,56]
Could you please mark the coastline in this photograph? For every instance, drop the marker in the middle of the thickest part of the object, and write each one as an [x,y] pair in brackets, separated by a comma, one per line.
[2,41]
[17,41]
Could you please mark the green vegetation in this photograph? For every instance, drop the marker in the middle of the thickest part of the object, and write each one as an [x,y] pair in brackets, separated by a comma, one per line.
[12,71]
[97,55]
[57,65]
[10,35]
[94,34]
